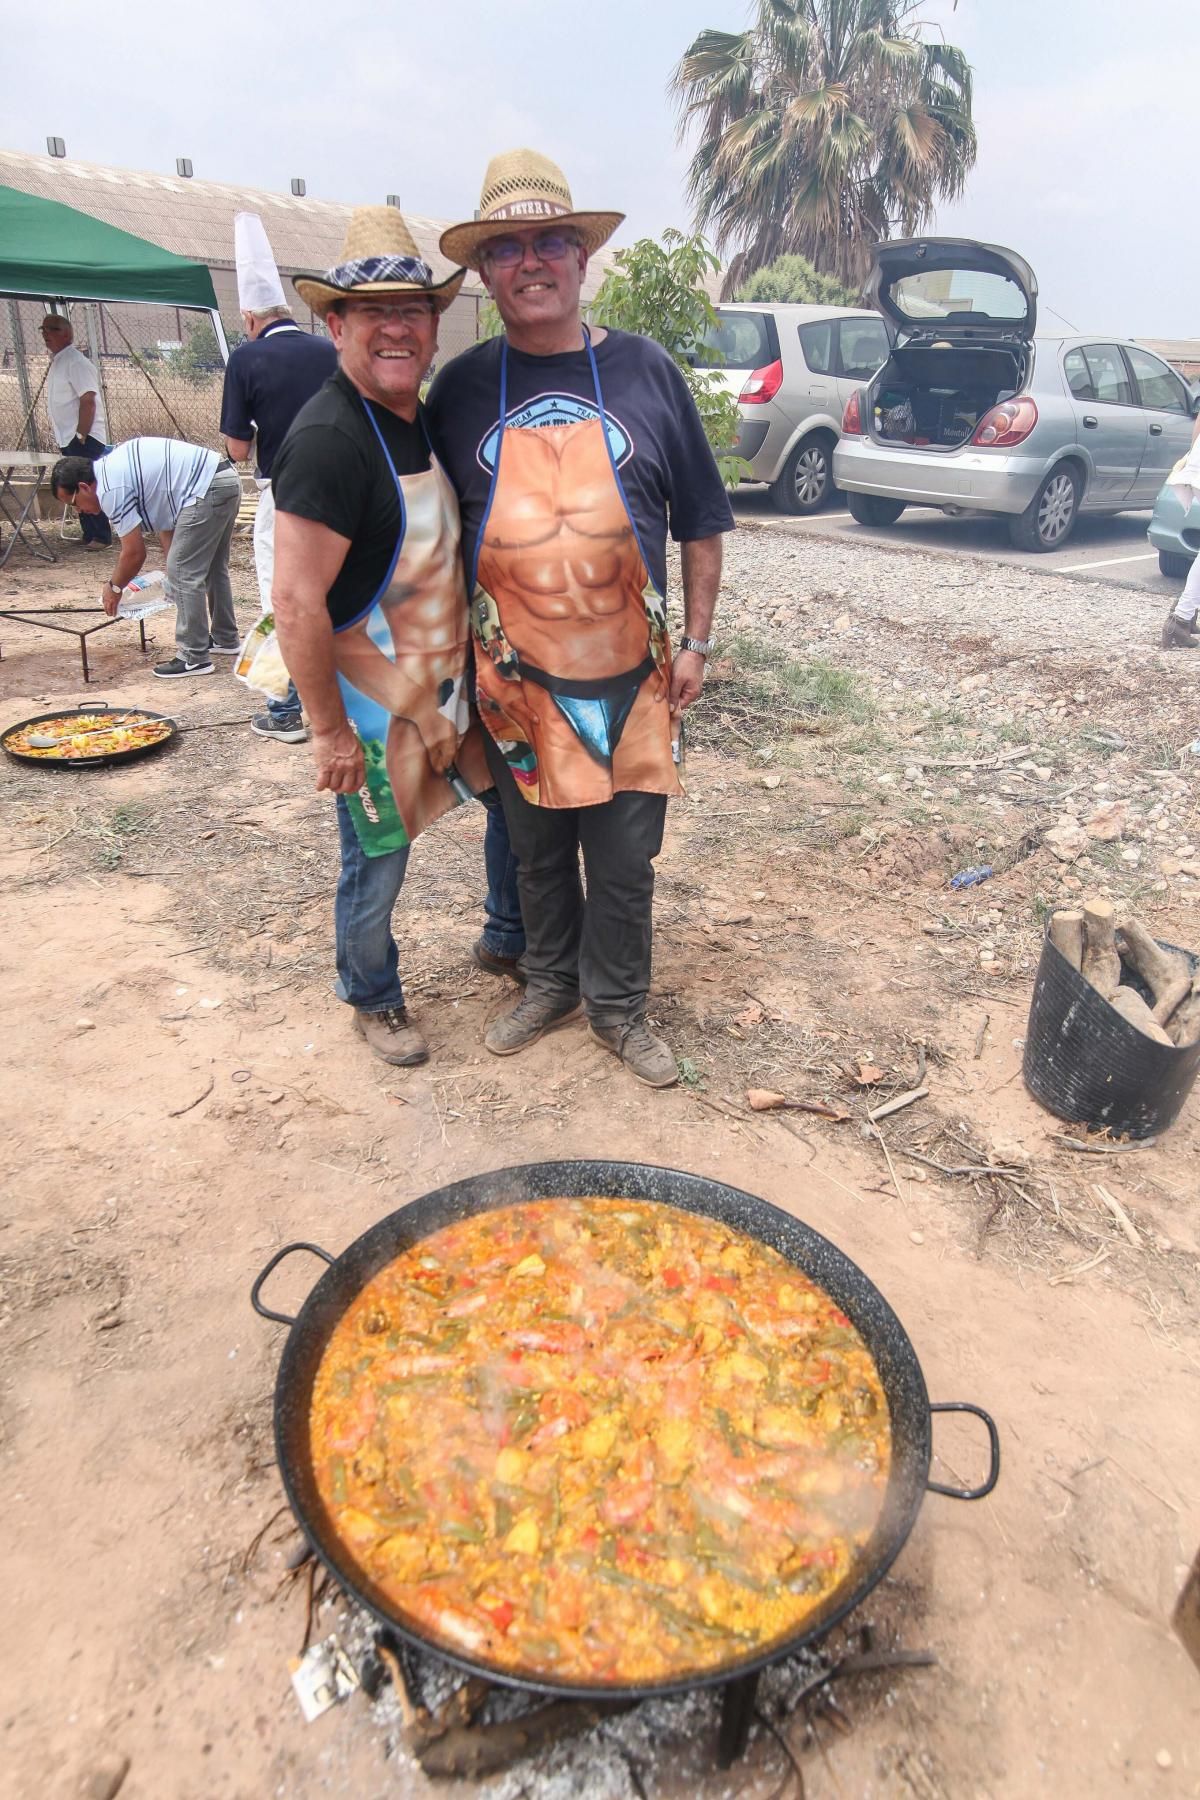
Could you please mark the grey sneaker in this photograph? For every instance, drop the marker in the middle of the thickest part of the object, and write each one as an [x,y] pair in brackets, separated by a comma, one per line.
[1178,634]
[284,731]
[527,1021]
[393,1037]
[643,1054]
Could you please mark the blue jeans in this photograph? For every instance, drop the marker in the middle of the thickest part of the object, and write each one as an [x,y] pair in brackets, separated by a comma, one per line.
[367,890]
[287,712]
[503,930]
[368,887]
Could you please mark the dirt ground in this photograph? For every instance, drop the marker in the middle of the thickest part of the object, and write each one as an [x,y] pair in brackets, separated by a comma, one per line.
[184,1094]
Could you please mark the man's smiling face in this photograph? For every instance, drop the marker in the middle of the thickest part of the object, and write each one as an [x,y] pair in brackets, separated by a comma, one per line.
[541,286]
[386,347]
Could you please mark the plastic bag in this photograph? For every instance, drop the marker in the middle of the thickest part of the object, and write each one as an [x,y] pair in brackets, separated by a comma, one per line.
[260,661]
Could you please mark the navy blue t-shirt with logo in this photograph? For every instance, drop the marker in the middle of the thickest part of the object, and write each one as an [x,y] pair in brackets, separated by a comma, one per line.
[666,466]
[267,380]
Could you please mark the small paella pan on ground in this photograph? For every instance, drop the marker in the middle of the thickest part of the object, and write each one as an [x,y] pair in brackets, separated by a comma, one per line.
[87,737]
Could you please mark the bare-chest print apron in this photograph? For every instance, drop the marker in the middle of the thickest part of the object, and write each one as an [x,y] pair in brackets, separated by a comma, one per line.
[573,663]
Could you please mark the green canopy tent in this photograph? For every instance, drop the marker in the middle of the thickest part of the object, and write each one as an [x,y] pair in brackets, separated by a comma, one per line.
[49,251]
[52,251]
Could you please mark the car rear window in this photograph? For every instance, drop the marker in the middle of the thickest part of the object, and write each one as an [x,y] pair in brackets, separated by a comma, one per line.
[816,341]
[740,341]
[864,347]
[957,295]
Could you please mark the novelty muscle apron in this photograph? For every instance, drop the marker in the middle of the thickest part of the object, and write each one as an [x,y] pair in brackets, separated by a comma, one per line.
[573,664]
[401,666]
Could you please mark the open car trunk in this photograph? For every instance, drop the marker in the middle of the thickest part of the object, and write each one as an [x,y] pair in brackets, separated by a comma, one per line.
[961,317]
[935,397]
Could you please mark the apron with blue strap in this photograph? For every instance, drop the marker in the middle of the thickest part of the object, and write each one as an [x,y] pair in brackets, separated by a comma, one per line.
[573,662]
[401,667]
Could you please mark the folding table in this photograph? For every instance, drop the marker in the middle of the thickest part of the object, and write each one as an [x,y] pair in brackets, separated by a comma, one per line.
[15,463]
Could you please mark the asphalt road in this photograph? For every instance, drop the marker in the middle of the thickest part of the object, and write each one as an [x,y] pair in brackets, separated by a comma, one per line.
[1114,549]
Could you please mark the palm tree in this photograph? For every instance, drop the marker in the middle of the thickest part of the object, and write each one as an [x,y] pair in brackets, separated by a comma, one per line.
[824,128]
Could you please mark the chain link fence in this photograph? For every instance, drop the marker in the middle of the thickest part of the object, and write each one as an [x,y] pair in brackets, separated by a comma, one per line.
[160,368]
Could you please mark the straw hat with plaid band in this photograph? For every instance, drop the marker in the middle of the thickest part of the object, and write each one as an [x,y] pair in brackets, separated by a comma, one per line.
[521,188]
[379,258]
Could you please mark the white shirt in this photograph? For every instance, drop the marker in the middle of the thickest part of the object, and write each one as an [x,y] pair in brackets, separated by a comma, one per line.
[72,375]
[146,483]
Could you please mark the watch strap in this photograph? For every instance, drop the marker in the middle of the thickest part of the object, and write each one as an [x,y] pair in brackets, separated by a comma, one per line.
[701,646]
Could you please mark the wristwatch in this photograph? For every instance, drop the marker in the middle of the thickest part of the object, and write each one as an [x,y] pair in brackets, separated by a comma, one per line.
[702,646]
[114,589]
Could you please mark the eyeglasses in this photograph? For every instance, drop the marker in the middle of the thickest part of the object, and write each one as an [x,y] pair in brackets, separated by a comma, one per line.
[547,246]
[375,312]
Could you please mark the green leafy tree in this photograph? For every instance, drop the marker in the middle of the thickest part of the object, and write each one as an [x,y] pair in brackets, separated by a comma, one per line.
[657,289]
[825,127]
[200,356]
[489,324]
[793,278]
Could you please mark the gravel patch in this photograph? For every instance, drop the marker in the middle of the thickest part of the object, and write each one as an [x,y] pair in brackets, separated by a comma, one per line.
[768,570]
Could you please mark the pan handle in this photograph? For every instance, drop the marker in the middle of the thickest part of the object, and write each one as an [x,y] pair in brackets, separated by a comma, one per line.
[993,1475]
[264,1312]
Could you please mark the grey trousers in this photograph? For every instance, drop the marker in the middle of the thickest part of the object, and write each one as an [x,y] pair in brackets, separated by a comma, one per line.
[600,946]
[198,570]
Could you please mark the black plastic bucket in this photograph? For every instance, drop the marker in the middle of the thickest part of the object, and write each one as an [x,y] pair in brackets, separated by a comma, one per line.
[1086,1063]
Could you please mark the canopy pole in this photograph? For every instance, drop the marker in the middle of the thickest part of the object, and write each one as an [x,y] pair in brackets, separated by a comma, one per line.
[91,313]
[28,398]
[222,341]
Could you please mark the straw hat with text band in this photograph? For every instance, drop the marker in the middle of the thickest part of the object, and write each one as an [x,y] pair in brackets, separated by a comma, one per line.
[523,188]
[380,260]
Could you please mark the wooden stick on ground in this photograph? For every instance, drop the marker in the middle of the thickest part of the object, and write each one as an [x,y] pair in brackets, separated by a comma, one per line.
[1119,1214]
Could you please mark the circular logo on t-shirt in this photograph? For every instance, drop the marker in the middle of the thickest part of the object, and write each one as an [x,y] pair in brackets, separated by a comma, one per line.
[548,410]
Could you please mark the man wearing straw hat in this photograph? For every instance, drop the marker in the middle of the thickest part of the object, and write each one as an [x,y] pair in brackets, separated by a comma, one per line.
[572,451]
[370,603]
[268,378]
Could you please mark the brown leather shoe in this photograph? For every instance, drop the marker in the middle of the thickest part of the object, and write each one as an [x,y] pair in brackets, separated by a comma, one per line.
[529,1020]
[1177,634]
[493,964]
[393,1037]
[643,1054]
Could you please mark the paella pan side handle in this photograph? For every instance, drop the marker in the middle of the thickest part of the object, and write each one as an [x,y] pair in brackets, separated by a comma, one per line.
[264,1312]
[993,1475]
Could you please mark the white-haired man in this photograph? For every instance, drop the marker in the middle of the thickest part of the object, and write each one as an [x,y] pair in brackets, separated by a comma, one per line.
[269,377]
[76,407]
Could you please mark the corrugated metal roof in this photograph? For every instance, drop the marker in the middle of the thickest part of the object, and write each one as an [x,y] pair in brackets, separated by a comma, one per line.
[194,217]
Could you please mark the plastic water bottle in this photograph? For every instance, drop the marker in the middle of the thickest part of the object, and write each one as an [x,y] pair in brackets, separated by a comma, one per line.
[145,594]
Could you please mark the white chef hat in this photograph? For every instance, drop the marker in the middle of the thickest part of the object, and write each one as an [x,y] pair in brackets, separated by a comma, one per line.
[259,286]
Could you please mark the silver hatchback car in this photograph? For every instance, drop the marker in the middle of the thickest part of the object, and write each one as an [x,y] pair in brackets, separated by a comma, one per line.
[973,413]
[791,370]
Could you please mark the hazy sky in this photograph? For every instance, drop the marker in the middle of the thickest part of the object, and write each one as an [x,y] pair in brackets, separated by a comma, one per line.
[1086,111]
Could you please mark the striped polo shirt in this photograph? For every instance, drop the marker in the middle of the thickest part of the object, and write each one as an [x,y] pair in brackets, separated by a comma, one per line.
[148,481]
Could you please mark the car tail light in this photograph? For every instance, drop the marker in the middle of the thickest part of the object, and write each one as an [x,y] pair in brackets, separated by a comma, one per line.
[852,417]
[1009,423]
[762,385]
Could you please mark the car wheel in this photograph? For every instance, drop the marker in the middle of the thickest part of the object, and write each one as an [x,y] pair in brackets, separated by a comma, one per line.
[805,482]
[1049,519]
[1176,568]
[874,509]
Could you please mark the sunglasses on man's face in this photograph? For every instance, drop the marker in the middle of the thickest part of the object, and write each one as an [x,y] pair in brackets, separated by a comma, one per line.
[413,312]
[547,246]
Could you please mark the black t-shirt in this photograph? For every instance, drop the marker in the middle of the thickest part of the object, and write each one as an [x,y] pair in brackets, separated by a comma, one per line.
[267,380]
[332,470]
[666,466]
